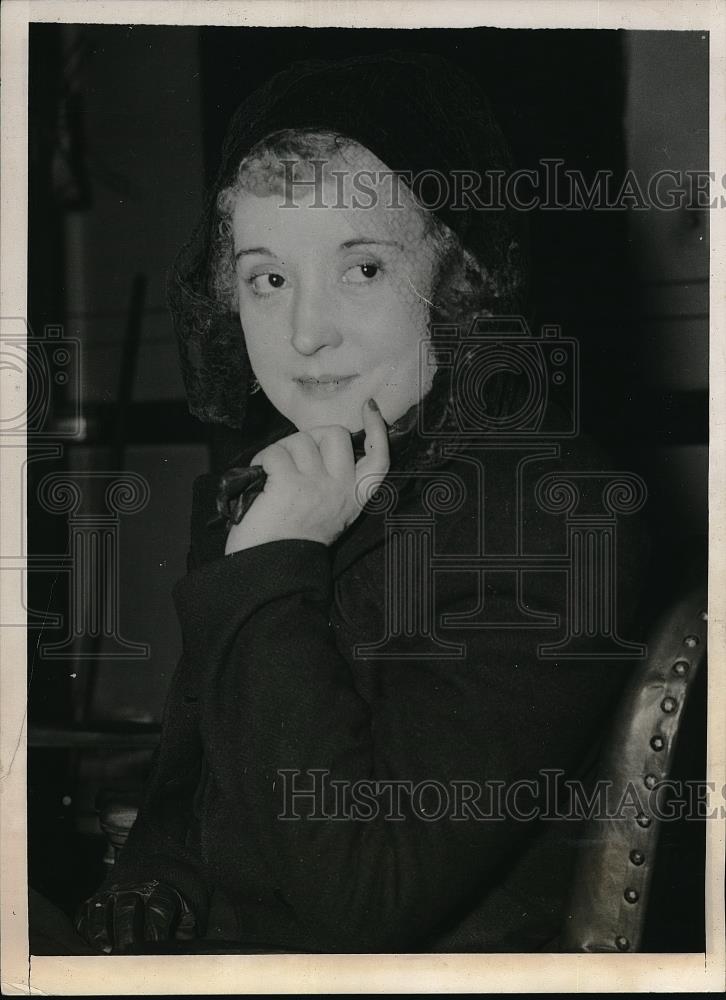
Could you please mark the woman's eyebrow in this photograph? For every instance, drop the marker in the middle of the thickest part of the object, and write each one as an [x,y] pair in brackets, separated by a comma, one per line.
[249,250]
[366,240]
[356,241]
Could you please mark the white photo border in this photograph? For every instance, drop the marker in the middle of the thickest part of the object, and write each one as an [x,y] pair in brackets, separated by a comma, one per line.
[301,974]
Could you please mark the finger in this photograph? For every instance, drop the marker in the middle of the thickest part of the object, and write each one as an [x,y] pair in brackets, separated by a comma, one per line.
[128,920]
[186,929]
[372,468]
[163,908]
[336,449]
[305,453]
[377,458]
[275,460]
[93,923]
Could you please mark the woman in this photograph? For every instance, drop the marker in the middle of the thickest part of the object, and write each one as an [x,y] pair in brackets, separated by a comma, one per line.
[319,715]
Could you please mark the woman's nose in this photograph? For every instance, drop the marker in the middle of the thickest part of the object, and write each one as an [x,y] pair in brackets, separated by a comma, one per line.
[314,321]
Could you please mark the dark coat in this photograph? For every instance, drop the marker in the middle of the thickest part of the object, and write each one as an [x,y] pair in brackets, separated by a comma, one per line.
[269,682]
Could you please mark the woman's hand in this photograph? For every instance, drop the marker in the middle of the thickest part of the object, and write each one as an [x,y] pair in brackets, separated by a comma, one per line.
[312,484]
[123,916]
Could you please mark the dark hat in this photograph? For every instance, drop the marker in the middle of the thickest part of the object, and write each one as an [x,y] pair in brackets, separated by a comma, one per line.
[419,114]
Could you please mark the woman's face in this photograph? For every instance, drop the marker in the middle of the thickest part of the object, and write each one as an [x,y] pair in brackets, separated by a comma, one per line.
[333,300]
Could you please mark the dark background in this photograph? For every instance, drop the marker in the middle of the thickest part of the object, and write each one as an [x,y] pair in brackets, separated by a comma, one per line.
[124,131]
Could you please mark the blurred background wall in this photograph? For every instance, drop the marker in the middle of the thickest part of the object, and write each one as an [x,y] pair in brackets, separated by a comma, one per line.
[125,129]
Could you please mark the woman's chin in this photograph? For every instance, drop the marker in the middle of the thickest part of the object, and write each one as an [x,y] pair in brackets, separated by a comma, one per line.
[350,423]
[349,417]
[329,413]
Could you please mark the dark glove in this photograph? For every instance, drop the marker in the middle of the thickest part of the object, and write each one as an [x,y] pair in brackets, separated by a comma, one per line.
[121,916]
[237,490]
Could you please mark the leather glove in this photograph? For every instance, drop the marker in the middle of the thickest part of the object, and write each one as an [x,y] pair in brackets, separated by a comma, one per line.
[121,916]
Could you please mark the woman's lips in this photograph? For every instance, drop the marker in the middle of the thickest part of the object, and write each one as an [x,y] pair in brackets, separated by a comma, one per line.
[323,386]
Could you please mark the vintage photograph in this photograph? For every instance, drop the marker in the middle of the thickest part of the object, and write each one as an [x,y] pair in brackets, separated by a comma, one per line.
[365,515]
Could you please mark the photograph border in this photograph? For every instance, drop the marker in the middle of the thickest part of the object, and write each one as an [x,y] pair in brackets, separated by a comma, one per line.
[374,973]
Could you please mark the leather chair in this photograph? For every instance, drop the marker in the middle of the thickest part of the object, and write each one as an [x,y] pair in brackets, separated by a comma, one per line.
[616,856]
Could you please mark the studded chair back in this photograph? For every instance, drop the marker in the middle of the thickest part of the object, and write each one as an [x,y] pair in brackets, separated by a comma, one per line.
[616,857]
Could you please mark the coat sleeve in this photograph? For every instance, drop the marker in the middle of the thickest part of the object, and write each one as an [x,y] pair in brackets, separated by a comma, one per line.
[283,714]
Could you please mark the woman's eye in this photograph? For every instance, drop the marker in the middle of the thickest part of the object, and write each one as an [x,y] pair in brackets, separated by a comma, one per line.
[362,274]
[266,283]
